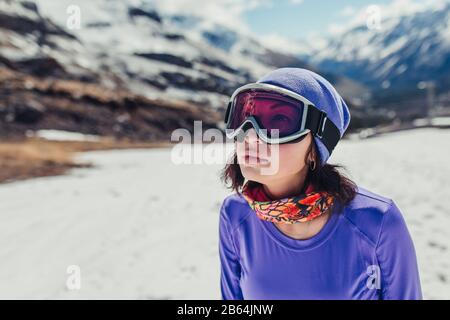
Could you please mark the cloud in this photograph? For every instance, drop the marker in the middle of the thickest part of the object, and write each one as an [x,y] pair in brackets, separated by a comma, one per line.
[277,42]
[394,9]
[226,12]
[296,2]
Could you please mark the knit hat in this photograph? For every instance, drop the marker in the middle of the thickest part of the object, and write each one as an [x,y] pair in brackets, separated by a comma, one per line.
[317,90]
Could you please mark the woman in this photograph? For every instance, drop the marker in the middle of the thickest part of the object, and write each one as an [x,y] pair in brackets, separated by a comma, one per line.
[296,228]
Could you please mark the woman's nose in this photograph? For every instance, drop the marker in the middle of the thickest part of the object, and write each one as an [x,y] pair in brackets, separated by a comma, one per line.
[251,136]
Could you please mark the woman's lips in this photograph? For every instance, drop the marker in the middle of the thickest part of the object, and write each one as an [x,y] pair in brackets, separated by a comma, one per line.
[253,159]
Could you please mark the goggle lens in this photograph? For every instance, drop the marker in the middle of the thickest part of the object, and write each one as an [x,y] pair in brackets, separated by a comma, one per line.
[273,111]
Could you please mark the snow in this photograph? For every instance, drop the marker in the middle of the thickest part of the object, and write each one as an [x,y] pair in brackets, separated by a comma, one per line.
[385,68]
[15,8]
[141,227]
[61,135]
[441,121]
[119,38]
[20,47]
[404,45]
[143,35]
[435,121]
[393,47]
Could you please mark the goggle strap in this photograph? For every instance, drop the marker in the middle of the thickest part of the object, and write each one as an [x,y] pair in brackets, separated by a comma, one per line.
[322,127]
[227,113]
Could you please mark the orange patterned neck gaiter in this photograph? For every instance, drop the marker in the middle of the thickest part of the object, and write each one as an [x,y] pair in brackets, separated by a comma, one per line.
[301,208]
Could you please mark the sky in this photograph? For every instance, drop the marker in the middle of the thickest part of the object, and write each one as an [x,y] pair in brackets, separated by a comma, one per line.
[287,22]
[299,19]
[287,19]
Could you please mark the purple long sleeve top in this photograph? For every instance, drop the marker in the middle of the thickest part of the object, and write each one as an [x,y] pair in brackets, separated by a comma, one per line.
[363,252]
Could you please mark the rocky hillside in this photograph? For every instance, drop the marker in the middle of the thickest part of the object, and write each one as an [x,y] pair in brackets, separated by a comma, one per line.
[45,84]
[129,70]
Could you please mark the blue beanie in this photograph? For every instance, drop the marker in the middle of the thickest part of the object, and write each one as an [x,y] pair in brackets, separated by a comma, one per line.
[317,90]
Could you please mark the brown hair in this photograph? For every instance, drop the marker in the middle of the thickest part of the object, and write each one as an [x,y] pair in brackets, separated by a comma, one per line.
[324,178]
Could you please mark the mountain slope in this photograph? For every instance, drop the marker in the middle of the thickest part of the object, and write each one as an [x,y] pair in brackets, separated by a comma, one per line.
[173,55]
[407,50]
[158,55]
[48,79]
[126,57]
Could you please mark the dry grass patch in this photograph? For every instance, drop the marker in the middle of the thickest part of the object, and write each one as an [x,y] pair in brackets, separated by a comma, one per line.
[28,158]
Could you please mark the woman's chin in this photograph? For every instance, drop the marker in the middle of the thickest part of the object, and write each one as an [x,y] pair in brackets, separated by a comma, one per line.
[254,173]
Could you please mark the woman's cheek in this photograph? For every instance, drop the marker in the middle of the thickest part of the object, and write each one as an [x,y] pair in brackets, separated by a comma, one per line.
[239,147]
[290,158]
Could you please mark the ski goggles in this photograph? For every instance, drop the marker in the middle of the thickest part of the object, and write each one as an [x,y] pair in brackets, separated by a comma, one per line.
[278,116]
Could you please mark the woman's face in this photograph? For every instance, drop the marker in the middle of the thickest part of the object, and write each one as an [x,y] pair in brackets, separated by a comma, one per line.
[264,163]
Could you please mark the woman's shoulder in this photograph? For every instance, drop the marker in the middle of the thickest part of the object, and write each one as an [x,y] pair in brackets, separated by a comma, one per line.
[235,209]
[367,198]
[368,212]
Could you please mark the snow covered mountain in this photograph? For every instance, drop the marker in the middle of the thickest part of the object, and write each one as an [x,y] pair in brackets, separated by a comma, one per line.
[408,49]
[161,55]
[168,56]
[26,36]
[49,79]
[128,70]
[123,52]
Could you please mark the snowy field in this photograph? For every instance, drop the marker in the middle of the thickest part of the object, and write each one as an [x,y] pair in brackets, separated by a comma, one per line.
[140,227]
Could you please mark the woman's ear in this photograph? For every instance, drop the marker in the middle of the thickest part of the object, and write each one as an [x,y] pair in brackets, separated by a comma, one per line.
[309,155]
[313,156]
